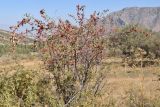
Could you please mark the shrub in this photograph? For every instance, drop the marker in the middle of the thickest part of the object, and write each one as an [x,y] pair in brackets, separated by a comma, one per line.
[70,52]
[25,89]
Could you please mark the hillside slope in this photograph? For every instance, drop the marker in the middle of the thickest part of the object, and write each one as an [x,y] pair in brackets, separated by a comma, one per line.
[6,35]
[148,17]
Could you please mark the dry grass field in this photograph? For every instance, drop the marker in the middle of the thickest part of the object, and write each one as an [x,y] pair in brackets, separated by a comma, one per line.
[124,87]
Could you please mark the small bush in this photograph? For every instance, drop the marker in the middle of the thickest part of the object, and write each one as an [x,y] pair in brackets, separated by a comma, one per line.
[69,51]
[25,89]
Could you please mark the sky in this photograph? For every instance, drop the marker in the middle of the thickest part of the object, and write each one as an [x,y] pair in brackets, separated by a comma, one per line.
[12,11]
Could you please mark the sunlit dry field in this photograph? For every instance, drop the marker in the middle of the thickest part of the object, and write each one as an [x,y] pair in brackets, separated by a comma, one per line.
[134,86]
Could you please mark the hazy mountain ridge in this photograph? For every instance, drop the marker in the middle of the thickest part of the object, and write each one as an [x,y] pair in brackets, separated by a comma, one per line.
[148,17]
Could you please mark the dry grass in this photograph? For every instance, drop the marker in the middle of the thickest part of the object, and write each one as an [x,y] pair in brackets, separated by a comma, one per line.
[120,85]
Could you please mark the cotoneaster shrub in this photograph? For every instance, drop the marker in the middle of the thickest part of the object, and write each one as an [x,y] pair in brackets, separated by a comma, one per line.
[69,51]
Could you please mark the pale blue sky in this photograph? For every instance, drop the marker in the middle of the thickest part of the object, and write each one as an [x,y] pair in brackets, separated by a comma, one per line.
[13,10]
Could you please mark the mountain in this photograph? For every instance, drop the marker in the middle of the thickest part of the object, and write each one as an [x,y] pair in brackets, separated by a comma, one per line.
[148,17]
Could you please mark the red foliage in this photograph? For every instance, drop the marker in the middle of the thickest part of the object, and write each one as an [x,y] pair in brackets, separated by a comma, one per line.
[78,47]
